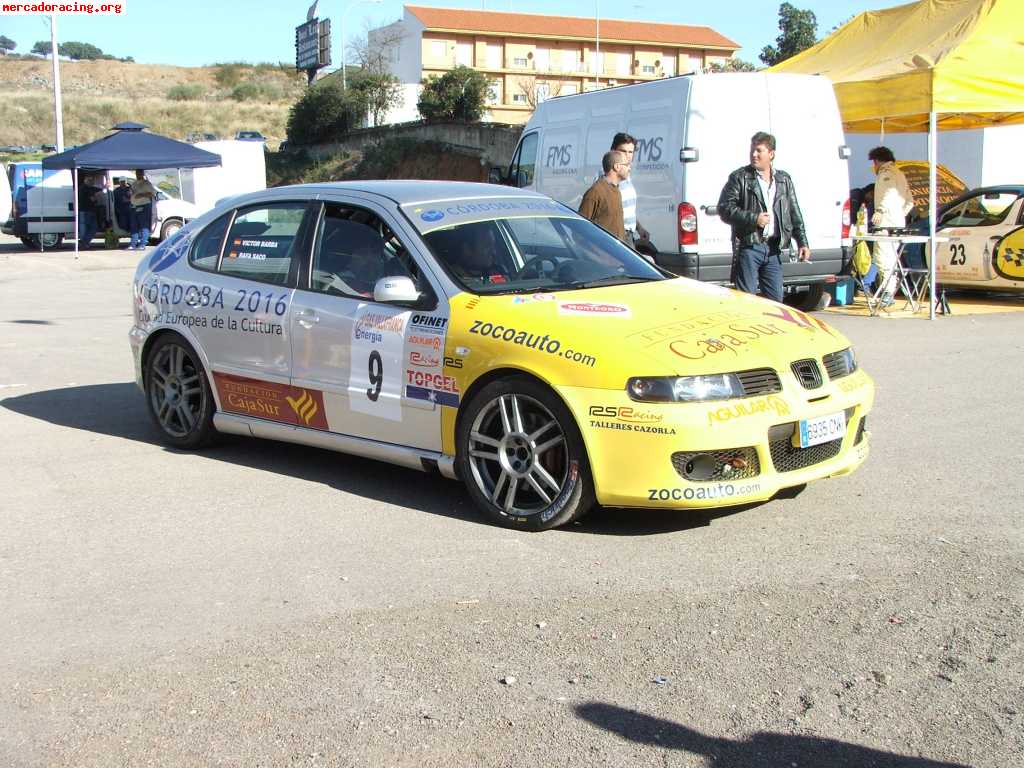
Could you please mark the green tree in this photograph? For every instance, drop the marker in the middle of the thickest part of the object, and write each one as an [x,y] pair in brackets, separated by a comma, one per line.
[376,94]
[797,32]
[732,65]
[42,47]
[79,51]
[459,94]
[323,113]
[7,45]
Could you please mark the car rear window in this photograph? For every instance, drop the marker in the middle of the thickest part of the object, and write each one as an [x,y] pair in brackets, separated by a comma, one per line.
[261,242]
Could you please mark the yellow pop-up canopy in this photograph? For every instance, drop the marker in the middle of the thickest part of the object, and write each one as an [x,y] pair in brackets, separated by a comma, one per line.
[960,59]
[926,66]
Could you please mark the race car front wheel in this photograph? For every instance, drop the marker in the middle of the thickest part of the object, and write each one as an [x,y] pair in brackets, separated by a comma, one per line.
[522,457]
[178,394]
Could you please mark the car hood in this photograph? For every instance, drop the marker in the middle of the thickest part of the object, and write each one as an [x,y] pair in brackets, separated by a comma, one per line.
[670,327]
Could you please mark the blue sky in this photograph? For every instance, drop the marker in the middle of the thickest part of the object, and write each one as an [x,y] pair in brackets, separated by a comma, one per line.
[195,32]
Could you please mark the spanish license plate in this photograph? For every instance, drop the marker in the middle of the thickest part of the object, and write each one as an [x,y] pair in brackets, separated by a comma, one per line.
[822,429]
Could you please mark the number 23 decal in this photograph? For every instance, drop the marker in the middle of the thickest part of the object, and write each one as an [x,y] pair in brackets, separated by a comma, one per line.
[958,256]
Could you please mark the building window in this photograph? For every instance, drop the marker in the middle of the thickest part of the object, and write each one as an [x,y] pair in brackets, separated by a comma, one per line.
[542,59]
[464,54]
[668,65]
[648,69]
[622,61]
[437,49]
[493,56]
[520,98]
[520,61]
[696,62]
[494,92]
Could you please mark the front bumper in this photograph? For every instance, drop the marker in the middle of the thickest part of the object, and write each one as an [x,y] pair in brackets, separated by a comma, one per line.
[639,451]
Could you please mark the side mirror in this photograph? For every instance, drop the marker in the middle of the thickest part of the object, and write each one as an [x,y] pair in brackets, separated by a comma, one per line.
[496,175]
[395,290]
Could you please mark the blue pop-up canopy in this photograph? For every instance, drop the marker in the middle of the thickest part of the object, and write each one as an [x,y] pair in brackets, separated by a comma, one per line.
[130,147]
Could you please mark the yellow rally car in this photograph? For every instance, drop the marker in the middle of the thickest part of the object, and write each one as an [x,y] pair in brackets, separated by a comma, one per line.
[492,335]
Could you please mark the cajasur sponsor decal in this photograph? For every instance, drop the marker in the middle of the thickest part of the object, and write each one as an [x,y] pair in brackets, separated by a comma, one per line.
[268,400]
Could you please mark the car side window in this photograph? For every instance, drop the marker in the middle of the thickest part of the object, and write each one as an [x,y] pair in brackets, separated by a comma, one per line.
[261,242]
[354,249]
[206,249]
[985,210]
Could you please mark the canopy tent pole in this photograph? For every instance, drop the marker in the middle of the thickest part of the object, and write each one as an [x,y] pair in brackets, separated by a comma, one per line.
[74,201]
[933,130]
[881,132]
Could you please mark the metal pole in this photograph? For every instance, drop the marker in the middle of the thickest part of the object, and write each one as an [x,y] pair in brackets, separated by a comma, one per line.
[933,156]
[58,111]
[597,53]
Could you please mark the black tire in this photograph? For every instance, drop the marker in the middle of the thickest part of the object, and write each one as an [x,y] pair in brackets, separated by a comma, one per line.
[806,301]
[178,395]
[169,227]
[51,240]
[508,448]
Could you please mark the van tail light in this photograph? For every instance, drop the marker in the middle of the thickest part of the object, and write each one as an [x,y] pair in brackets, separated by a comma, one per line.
[687,224]
[846,219]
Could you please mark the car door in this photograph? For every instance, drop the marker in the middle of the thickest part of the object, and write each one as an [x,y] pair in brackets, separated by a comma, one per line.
[379,367]
[239,294]
[973,227]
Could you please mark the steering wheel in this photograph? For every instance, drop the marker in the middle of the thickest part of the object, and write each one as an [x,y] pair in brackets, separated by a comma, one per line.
[534,263]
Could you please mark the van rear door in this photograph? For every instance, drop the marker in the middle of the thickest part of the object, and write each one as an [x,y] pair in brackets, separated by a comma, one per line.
[805,120]
[724,111]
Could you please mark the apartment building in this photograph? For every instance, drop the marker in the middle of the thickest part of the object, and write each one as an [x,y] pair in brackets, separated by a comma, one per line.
[530,57]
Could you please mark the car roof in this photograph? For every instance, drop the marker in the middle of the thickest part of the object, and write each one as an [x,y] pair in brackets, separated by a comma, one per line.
[404,192]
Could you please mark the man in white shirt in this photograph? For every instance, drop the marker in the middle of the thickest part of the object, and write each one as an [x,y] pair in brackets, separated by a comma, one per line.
[626,144]
[893,201]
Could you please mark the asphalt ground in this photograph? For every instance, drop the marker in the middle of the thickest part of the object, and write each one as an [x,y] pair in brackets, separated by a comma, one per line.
[268,604]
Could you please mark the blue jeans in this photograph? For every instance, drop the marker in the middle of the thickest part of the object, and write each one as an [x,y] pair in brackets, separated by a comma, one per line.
[139,219]
[87,228]
[759,270]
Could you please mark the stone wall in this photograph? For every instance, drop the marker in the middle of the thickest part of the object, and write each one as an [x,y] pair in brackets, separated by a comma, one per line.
[493,143]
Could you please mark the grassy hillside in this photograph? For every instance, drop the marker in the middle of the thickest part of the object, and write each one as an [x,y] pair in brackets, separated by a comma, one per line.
[173,101]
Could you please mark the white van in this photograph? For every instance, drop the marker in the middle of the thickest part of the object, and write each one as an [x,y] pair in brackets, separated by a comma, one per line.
[692,131]
[243,169]
[50,209]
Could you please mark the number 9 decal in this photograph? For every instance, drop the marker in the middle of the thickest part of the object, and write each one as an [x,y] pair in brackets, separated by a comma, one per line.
[376,372]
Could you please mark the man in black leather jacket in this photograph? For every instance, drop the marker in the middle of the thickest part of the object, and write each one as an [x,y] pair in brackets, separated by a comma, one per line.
[759,203]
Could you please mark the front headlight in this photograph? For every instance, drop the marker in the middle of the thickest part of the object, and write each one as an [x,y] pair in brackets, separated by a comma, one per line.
[669,389]
[850,358]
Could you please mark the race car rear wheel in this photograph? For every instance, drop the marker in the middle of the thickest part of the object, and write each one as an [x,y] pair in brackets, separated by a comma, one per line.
[178,394]
[521,456]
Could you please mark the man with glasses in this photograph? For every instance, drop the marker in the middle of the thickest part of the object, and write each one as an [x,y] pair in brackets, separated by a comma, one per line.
[602,203]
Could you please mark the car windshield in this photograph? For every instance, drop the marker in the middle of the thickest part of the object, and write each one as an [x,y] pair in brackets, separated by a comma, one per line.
[523,254]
